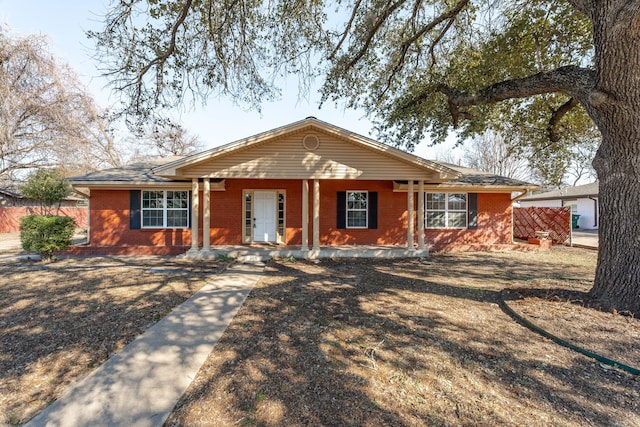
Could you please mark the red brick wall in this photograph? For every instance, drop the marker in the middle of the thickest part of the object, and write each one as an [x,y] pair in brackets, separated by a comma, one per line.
[227,209]
[226,217]
[10,216]
[392,215]
[494,225]
[109,212]
[110,218]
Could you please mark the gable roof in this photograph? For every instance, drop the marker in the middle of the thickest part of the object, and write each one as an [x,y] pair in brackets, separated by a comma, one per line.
[282,153]
[579,191]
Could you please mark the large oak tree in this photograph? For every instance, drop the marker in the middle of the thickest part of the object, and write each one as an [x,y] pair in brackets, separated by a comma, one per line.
[548,71]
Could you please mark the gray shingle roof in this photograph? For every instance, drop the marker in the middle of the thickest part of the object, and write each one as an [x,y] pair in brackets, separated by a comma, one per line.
[138,173]
[476,177]
[11,191]
[579,191]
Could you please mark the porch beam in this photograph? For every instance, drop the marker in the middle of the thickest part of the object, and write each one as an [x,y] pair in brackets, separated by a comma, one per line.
[195,204]
[421,214]
[316,214]
[410,224]
[206,220]
[305,214]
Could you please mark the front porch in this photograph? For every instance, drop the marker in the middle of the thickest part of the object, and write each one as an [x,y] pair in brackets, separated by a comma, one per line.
[255,253]
[317,230]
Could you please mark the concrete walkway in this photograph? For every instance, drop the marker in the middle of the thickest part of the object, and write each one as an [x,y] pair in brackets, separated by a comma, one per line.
[584,238]
[140,385]
[10,242]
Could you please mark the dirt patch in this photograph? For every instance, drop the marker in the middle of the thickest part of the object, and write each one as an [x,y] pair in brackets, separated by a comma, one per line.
[412,343]
[60,320]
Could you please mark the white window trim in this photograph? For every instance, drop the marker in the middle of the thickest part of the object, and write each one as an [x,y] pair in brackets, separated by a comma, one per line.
[365,210]
[446,211]
[165,209]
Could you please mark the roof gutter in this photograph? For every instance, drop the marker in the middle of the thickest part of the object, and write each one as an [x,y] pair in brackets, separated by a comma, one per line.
[595,210]
[86,196]
[521,195]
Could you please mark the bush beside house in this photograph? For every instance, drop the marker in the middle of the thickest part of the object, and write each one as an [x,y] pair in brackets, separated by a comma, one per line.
[46,233]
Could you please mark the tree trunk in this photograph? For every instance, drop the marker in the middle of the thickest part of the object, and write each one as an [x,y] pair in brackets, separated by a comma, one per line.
[615,107]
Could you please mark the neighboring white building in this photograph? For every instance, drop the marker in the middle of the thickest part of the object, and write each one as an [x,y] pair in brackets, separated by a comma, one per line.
[583,200]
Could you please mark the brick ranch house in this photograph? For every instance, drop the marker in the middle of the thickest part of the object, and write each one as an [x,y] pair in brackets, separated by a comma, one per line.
[308,186]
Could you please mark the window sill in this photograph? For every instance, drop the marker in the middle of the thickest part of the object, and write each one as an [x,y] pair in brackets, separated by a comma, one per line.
[163,228]
[446,228]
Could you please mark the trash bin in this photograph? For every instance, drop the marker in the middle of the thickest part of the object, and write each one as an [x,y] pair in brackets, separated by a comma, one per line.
[574,220]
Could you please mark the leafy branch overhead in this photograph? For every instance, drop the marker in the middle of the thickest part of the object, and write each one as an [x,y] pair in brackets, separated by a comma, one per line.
[396,59]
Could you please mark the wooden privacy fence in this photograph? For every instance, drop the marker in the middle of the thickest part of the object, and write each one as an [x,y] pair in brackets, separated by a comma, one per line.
[10,217]
[526,221]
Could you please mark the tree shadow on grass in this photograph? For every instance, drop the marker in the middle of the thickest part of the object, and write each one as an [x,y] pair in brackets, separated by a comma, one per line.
[346,343]
[58,321]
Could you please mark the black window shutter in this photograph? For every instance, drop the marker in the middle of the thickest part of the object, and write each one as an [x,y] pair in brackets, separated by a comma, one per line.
[190,210]
[472,201]
[134,210]
[373,209]
[341,218]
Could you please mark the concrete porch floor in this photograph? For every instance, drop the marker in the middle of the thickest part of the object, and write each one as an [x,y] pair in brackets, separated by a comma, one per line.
[255,253]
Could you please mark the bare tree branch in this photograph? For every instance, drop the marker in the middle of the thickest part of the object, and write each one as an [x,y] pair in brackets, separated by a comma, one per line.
[46,116]
[439,39]
[159,60]
[347,28]
[376,23]
[574,81]
[557,115]
[584,6]
[404,48]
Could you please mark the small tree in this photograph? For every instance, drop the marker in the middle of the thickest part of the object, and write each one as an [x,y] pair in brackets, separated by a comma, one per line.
[46,233]
[48,187]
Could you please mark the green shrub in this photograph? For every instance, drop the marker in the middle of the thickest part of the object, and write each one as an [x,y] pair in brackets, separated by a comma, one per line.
[46,234]
[48,186]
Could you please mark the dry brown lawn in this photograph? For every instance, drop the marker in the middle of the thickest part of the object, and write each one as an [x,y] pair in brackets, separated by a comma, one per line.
[60,320]
[413,343]
[339,342]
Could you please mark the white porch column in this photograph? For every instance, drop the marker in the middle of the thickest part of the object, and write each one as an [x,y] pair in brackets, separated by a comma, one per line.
[195,203]
[206,220]
[316,214]
[305,214]
[410,224]
[421,214]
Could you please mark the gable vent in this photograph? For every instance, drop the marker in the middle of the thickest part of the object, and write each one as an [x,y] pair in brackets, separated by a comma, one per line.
[311,142]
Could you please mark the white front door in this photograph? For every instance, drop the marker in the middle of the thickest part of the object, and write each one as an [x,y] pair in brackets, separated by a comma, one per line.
[264,211]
